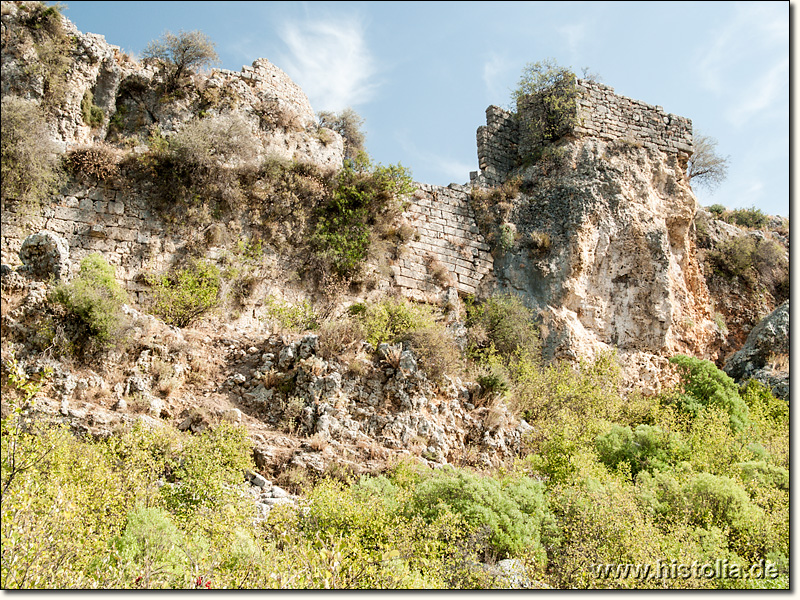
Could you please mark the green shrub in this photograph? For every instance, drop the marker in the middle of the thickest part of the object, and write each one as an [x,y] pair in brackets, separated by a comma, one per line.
[546,100]
[512,510]
[436,350]
[93,115]
[295,317]
[647,447]
[705,385]
[150,548]
[186,294]
[94,300]
[29,159]
[717,209]
[505,323]
[752,218]
[391,318]
[362,204]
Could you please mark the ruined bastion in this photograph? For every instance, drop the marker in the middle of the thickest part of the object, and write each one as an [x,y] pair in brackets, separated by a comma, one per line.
[600,113]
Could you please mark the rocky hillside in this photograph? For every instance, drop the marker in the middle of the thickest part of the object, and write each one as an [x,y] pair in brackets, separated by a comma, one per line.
[489,384]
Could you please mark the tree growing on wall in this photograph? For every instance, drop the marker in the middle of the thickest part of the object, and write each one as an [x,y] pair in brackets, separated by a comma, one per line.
[177,55]
[706,168]
[546,92]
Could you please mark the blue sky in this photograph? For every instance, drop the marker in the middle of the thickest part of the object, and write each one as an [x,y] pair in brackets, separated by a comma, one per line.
[421,74]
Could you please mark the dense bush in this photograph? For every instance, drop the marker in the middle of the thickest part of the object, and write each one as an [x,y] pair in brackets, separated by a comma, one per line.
[364,202]
[512,510]
[187,293]
[647,447]
[93,300]
[546,98]
[705,385]
[505,324]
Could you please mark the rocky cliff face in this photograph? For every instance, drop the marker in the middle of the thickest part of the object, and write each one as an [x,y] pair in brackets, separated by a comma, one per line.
[618,266]
[48,60]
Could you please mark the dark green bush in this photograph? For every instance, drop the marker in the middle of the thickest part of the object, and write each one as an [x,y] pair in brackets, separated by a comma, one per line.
[705,385]
[185,294]
[94,299]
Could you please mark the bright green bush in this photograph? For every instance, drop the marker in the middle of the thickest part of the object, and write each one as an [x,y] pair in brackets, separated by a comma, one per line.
[705,385]
[387,320]
[512,510]
[647,447]
[296,317]
[362,203]
[94,300]
[187,293]
[150,549]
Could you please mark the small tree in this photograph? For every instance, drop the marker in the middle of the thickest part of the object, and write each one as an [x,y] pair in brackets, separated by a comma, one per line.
[546,93]
[178,55]
[706,168]
[346,123]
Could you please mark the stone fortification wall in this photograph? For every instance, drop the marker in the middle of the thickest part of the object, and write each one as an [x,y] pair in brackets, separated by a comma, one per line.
[93,219]
[448,249]
[604,114]
[600,113]
[498,143]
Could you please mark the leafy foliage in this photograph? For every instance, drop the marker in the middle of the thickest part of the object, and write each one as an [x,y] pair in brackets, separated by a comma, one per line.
[546,100]
[94,299]
[187,293]
[177,55]
[363,200]
[705,385]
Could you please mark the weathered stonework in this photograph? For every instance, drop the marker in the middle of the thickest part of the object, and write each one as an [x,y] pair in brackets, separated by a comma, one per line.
[447,238]
[600,114]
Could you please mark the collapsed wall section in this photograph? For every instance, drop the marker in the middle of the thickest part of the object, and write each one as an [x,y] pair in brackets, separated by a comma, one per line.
[448,249]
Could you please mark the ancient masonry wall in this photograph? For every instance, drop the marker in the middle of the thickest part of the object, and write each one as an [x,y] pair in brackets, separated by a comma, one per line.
[600,114]
[95,219]
[448,250]
[498,143]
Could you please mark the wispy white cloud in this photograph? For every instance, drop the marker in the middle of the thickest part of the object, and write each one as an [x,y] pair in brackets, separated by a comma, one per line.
[494,71]
[762,94]
[745,61]
[574,33]
[330,60]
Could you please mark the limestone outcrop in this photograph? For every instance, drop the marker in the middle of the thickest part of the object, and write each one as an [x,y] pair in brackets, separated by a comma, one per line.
[765,354]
